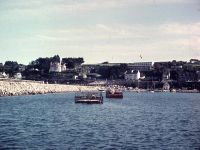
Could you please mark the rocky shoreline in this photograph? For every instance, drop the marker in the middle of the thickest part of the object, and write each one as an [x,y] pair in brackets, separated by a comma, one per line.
[11,88]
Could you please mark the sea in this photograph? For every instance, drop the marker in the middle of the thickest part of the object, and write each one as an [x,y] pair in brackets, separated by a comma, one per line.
[139,121]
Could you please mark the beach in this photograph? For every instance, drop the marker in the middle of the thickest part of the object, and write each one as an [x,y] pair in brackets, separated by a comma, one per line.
[13,88]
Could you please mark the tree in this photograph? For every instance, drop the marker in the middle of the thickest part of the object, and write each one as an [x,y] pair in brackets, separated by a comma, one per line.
[55,58]
[1,67]
[73,62]
[113,72]
[11,67]
[104,72]
[123,67]
[42,64]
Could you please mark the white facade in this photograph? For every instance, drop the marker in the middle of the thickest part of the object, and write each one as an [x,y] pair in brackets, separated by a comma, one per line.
[166,86]
[132,75]
[63,68]
[57,67]
[18,76]
[3,75]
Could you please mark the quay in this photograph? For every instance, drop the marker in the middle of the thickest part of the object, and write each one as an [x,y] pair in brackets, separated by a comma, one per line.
[15,88]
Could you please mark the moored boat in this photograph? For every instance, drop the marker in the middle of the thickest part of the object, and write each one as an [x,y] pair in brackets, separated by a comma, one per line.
[89,97]
[173,90]
[101,89]
[114,93]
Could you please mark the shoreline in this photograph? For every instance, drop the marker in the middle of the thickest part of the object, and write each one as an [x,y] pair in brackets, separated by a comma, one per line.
[12,88]
[20,87]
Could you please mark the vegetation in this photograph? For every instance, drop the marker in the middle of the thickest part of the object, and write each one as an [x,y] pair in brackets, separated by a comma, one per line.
[1,67]
[112,72]
[73,62]
[11,67]
[181,73]
[43,64]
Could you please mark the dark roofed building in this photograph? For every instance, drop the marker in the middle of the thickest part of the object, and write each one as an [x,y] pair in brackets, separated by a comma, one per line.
[141,66]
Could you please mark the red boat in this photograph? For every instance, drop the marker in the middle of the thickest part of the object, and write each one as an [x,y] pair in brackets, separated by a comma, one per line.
[114,93]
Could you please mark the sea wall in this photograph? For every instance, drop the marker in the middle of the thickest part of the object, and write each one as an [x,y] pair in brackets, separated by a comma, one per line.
[12,88]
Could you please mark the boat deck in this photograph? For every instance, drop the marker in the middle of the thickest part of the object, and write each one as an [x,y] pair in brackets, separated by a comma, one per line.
[89,98]
[115,94]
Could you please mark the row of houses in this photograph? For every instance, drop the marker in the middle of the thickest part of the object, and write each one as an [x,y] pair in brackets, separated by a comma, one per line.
[86,69]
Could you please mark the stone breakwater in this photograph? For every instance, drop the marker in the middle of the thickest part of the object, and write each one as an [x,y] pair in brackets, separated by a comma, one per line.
[9,88]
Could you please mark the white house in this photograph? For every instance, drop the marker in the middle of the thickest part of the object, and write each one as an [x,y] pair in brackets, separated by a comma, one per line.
[63,67]
[3,75]
[166,86]
[57,67]
[18,76]
[132,75]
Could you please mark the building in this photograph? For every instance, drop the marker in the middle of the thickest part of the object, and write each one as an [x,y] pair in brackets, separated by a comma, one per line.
[57,67]
[3,75]
[166,86]
[18,76]
[63,68]
[194,61]
[132,75]
[141,66]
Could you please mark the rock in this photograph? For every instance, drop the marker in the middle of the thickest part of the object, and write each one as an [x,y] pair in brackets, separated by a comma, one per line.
[30,88]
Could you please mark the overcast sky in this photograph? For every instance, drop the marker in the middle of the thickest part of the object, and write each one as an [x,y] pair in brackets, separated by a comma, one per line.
[100,30]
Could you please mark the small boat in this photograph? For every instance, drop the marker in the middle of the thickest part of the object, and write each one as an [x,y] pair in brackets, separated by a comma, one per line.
[114,93]
[89,97]
[173,90]
[101,89]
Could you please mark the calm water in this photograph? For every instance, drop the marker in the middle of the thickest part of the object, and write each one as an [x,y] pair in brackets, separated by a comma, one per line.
[139,121]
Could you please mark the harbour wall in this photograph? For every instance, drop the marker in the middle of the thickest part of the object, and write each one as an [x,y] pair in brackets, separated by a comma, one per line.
[14,88]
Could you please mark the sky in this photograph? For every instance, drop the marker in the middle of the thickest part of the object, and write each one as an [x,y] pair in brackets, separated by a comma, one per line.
[100,30]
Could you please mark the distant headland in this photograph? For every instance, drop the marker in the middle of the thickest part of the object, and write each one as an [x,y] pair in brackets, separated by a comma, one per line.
[166,75]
